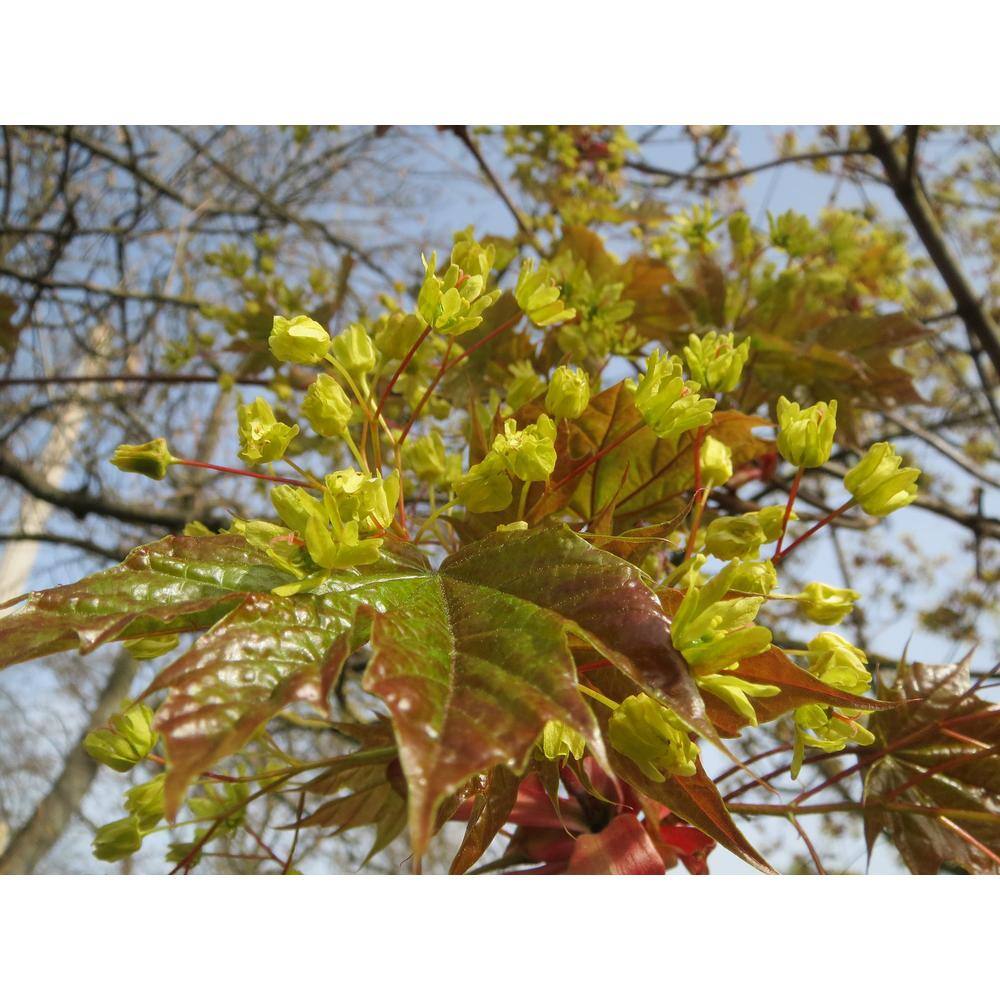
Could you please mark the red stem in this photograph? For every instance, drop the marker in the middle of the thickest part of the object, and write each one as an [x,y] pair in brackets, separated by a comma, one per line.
[792,494]
[778,556]
[483,340]
[700,498]
[244,472]
[407,358]
[596,457]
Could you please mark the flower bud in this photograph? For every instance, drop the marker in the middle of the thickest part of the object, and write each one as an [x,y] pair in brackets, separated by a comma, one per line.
[397,333]
[473,258]
[150,459]
[826,605]
[294,506]
[837,663]
[530,453]
[755,578]
[454,304]
[713,361]
[300,340]
[825,729]
[425,458]
[127,739]
[716,462]
[118,840]
[151,647]
[653,737]
[145,803]
[355,350]
[327,407]
[560,741]
[668,404]
[805,437]
[341,550]
[568,393]
[737,692]
[734,537]
[879,484]
[486,487]
[513,526]
[262,437]
[538,295]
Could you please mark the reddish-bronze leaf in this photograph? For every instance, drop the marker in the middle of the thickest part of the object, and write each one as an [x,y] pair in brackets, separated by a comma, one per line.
[490,809]
[936,751]
[622,848]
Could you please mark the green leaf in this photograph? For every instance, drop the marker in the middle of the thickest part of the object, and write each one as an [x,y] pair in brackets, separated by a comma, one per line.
[174,585]
[937,752]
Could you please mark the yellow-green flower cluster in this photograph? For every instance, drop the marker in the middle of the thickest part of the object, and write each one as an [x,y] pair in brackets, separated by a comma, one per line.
[300,340]
[652,736]
[842,666]
[529,453]
[805,436]
[455,303]
[127,739]
[668,404]
[151,459]
[878,483]
[740,537]
[568,393]
[538,295]
[714,362]
[327,407]
[560,741]
[263,438]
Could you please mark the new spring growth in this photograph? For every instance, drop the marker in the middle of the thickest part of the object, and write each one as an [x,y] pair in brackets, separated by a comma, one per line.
[118,840]
[805,437]
[559,742]
[826,605]
[529,454]
[714,362]
[713,632]
[150,647]
[300,340]
[454,304]
[652,736]
[538,296]
[127,739]
[878,483]
[755,578]
[396,333]
[737,692]
[568,393]
[151,459]
[716,463]
[355,351]
[486,487]
[740,537]
[668,404]
[327,407]
[843,666]
[263,438]
[145,803]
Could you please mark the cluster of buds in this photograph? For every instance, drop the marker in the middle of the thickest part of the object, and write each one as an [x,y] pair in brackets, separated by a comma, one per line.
[327,407]
[427,459]
[263,438]
[826,605]
[740,537]
[714,632]
[538,296]
[455,303]
[842,666]
[805,436]
[878,483]
[668,404]
[299,340]
[331,526]
[529,453]
[127,739]
[653,737]
[714,362]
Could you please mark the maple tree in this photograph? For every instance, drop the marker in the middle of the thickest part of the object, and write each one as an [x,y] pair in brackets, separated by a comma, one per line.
[518,496]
